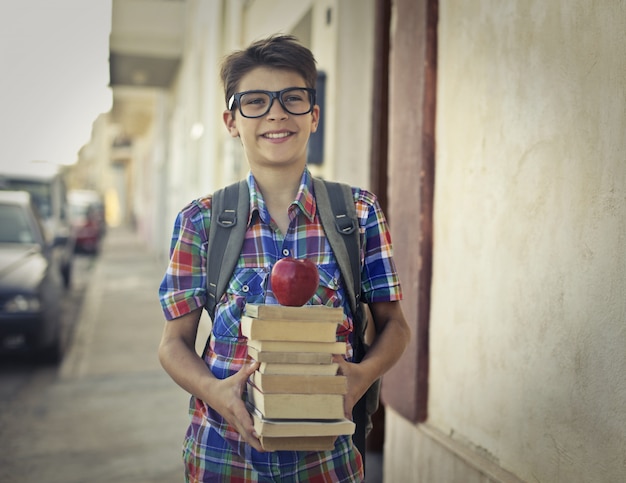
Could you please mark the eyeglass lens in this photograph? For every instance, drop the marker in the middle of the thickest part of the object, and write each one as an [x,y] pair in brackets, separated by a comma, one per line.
[257,104]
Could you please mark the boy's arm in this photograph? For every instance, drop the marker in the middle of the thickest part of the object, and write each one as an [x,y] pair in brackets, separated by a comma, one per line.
[180,360]
[392,337]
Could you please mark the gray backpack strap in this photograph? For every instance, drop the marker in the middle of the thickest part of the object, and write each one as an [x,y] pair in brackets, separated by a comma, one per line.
[337,213]
[335,204]
[230,208]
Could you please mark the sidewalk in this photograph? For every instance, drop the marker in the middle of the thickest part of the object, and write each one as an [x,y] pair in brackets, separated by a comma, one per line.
[113,415]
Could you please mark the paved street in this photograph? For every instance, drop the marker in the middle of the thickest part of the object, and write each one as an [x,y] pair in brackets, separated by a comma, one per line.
[109,413]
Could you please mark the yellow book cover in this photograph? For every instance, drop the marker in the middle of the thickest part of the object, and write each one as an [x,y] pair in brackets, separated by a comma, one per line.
[313,313]
[288,330]
[297,346]
[299,384]
[293,358]
[303,369]
[296,406]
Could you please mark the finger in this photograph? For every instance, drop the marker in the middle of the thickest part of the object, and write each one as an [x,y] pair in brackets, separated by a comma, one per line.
[347,413]
[347,408]
[256,444]
[343,364]
[248,432]
[250,368]
[244,373]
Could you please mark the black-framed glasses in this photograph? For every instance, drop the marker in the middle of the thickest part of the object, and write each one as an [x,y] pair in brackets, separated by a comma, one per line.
[294,100]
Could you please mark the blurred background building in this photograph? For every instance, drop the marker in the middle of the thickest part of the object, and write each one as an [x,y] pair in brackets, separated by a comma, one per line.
[167,143]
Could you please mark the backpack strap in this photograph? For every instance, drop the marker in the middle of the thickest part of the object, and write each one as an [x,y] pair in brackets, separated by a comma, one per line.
[335,204]
[230,208]
[337,213]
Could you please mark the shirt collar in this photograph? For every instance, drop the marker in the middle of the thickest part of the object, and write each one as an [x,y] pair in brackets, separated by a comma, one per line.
[304,201]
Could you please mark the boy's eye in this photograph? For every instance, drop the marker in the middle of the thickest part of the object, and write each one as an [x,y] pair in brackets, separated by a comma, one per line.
[292,98]
[255,99]
[295,95]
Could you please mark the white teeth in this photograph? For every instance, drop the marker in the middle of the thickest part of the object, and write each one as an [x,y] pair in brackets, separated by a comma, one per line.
[276,135]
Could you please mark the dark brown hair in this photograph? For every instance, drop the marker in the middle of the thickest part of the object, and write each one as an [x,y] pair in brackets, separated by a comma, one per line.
[277,52]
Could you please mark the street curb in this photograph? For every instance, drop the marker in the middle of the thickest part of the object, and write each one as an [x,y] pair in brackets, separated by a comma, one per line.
[74,361]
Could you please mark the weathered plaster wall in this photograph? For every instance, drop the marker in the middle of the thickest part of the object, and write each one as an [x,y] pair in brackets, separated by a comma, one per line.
[527,329]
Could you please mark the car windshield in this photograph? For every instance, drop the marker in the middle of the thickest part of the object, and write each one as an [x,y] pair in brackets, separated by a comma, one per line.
[14,225]
[41,193]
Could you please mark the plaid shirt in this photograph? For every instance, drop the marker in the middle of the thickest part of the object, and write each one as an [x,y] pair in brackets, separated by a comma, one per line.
[213,449]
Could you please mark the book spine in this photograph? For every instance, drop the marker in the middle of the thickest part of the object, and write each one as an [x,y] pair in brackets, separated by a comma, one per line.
[299,384]
[296,406]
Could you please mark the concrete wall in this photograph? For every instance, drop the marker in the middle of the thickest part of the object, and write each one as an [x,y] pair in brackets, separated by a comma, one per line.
[527,334]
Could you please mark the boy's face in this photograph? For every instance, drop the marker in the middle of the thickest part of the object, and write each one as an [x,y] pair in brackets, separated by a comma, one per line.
[277,138]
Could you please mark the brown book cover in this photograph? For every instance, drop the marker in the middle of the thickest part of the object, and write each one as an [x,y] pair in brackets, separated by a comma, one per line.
[288,330]
[302,369]
[297,346]
[313,313]
[299,384]
[290,357]
[296,406]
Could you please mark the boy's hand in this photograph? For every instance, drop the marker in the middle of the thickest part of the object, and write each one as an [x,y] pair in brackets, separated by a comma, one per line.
[357,383]
[229,403]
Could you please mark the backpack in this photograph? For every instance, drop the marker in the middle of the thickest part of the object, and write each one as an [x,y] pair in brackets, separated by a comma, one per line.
[337,214]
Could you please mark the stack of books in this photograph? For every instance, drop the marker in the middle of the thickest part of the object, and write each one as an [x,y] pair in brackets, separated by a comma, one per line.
[295,397]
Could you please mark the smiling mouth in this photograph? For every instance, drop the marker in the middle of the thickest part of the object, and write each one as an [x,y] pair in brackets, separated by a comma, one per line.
[276,135]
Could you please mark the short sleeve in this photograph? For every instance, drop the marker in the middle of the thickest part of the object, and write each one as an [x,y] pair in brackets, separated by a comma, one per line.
[379,277]
[183,287]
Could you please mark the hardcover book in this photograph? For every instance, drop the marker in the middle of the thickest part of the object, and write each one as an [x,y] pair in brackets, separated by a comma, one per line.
[302,369]
[314,313]
[297,346]
[296,406]
[282,428]
[299,435]
[299,384]
[288,330]
[297,358]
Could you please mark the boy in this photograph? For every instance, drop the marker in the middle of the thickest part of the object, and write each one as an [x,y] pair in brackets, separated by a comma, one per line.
[269,90]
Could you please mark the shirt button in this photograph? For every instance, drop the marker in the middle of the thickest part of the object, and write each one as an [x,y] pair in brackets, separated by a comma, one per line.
[245,289]
[285,252]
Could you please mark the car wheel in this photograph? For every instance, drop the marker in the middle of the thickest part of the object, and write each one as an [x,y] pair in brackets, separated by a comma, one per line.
[52,353]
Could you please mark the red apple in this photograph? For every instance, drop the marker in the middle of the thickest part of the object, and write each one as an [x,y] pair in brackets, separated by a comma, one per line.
[294,281]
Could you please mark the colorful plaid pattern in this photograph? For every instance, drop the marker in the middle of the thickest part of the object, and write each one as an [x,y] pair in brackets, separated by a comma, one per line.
[213,450]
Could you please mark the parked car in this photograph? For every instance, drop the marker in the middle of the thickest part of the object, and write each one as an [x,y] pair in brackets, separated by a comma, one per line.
[31,285]
[47,189]
[86,209]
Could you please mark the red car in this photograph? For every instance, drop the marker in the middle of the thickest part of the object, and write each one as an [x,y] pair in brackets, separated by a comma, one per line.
[87,217]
